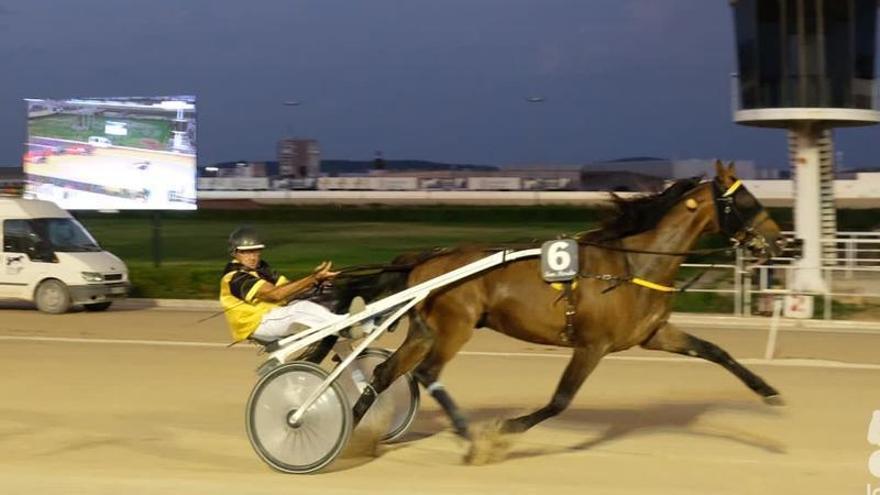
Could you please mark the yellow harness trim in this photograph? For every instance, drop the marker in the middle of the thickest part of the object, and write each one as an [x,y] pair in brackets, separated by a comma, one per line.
[635,280]
[732,189]
[652,285]
[560,286]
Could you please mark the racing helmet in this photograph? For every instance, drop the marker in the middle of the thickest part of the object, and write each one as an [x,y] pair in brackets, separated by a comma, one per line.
[244,238]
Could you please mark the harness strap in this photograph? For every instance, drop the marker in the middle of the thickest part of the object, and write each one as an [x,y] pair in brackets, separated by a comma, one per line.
[732,189]
[652,285]
[561,285]
[567,334]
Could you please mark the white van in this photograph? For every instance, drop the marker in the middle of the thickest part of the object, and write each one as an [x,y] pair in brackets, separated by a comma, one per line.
[51,259]
[100,142]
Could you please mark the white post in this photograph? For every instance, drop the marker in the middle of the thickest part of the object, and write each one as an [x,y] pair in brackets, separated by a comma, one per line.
[807,207]
[850,257]
[737,284]
[770,351]
[829,274]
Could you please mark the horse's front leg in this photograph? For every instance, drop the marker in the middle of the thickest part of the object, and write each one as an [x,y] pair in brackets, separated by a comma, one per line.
[583,362]
[671,339]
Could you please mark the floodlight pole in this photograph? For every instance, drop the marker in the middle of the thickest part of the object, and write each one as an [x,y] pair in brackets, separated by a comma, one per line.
[157,238]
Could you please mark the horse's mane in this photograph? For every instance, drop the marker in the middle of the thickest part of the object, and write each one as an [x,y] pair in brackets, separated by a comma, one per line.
[641,213]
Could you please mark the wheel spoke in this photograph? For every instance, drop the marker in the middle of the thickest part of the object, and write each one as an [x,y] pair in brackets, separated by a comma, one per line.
[324,428]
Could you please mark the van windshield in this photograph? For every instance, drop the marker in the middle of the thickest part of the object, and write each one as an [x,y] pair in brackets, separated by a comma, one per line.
[66,235]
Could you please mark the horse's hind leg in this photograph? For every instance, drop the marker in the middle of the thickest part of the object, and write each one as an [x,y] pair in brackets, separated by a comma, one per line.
[419,340]
[671,339]
[583,362]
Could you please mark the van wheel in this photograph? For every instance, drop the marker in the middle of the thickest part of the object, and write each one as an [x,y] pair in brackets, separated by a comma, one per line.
[101,306]
[53,297]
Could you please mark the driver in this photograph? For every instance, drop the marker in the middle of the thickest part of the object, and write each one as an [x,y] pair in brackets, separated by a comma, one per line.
[254,297]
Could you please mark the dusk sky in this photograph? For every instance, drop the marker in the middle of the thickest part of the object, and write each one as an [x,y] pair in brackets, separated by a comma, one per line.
[434,80]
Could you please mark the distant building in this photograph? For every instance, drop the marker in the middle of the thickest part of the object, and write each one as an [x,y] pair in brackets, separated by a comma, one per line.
[238,169]
[669,169]
[299,158]
[531,177]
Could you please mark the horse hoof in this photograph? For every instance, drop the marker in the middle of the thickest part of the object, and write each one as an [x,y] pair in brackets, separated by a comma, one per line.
[488,444]
[774,400]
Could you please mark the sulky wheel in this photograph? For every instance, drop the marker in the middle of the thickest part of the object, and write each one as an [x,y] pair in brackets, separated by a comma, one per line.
[402,396]
[320,435]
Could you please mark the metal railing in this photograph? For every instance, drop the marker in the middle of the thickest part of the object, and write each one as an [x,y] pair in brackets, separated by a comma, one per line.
[854,274]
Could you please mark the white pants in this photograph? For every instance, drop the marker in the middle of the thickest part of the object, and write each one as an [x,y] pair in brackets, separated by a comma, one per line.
[280,321]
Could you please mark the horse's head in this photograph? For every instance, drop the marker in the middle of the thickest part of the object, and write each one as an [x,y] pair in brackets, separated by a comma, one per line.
[742,218]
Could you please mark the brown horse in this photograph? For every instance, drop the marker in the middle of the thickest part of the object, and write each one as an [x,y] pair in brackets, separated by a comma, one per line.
[647,239]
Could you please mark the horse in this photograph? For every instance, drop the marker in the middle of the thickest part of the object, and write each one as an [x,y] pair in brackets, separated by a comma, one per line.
[642,247]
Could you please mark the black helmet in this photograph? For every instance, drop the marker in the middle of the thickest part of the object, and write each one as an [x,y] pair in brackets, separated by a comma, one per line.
[244,239]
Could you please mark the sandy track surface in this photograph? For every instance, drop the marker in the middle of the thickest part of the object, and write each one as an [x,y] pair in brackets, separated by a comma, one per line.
[123,402]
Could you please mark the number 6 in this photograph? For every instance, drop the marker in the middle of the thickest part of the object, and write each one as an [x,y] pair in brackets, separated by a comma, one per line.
[558,258]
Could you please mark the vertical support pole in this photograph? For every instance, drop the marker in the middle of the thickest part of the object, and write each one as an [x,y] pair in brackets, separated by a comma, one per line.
[805,160]
[827,207]
[747,292]
[829,273]
[157,238]
[770,350]
[737,283]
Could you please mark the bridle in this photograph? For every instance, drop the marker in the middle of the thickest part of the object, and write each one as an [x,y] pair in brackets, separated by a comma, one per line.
[736,222]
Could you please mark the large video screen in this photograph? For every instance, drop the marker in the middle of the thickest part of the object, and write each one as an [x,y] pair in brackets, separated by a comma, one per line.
[112,153]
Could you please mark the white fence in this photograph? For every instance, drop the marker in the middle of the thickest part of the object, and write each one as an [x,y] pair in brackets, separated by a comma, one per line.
[852,276]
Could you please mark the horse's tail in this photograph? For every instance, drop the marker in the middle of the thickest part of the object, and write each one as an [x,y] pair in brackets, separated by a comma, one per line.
[373,282]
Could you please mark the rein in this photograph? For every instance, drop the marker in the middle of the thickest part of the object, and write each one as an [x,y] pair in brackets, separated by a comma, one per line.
[616,280]
[724,203]
[320,287]
[725,208]
[699,252]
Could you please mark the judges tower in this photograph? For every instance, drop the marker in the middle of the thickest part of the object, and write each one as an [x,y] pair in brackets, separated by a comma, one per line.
[807,66]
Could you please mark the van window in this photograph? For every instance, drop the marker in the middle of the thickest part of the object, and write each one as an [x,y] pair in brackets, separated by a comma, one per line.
[17,236]
[64,235]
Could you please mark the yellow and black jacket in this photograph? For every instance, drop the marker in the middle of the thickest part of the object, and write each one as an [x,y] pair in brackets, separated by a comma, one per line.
[238,296]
